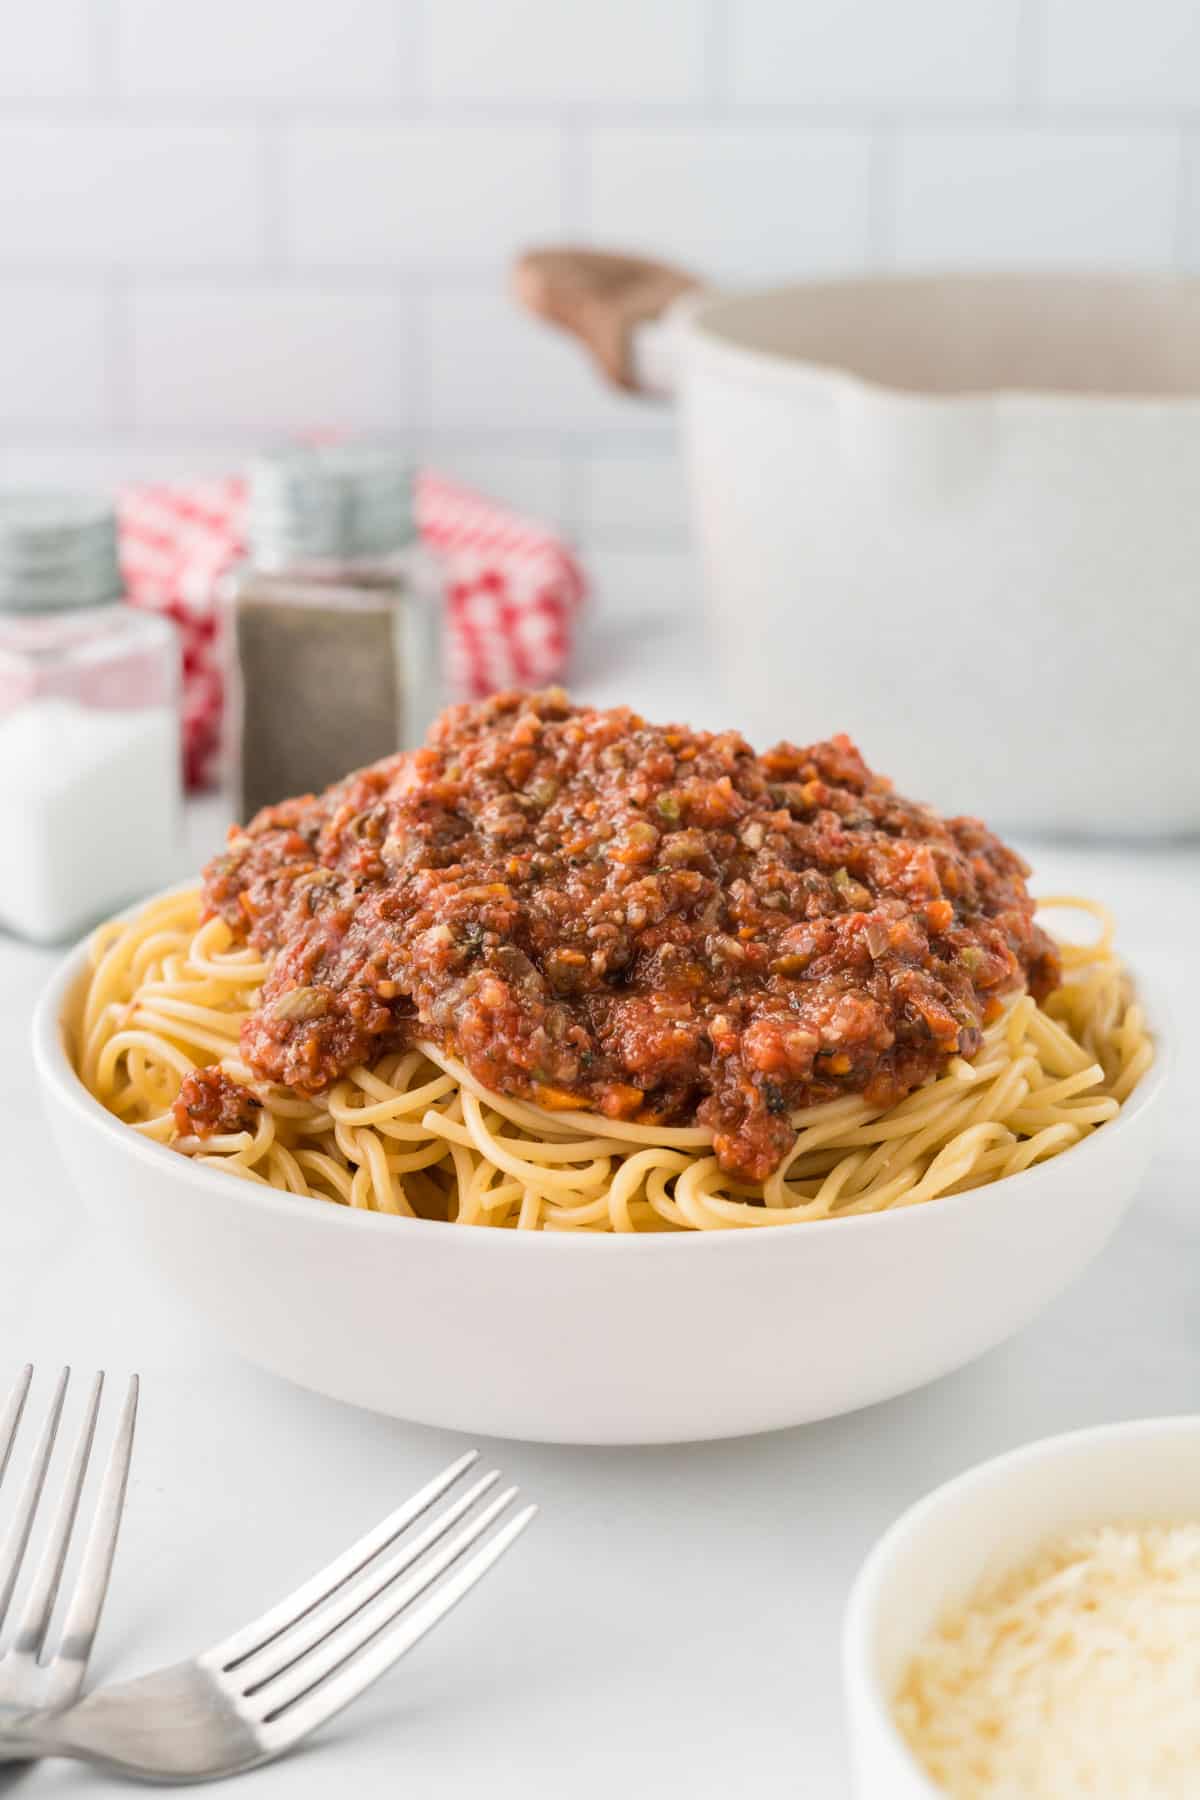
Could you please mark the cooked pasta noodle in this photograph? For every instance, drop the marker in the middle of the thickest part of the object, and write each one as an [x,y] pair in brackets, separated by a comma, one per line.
[416,1135]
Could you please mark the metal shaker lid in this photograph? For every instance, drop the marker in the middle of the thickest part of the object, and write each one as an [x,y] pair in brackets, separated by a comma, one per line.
[311,503]
[57,550]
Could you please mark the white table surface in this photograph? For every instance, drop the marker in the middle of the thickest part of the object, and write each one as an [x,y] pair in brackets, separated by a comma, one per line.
[670,1624]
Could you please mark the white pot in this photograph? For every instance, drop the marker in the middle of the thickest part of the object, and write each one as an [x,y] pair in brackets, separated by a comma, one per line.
[957,518]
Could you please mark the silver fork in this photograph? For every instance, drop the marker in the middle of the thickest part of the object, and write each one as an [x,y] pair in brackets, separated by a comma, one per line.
[31,1681]
[259,1692]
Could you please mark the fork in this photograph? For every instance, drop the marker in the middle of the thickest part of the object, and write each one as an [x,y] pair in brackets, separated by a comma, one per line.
[256,1694]
[31,1681]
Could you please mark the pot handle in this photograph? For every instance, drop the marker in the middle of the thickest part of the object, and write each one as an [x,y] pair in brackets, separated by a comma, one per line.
[623,309]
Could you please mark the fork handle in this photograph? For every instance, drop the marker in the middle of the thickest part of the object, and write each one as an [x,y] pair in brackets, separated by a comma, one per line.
[165,1727]
[27,1737]
[43,1735]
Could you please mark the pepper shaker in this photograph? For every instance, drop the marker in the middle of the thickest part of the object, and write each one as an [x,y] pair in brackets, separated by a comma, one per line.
[335,622]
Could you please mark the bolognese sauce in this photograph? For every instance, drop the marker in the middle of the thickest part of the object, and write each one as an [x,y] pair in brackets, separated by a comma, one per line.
[211,1101]
[653,923]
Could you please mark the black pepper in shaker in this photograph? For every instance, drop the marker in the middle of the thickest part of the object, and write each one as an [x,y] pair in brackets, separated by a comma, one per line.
[335,622]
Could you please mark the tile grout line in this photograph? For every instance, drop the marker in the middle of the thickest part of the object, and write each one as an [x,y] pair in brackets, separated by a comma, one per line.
[1030,63]
[418,309]
[119,354]
[577,228]
[270,156]
[103,38]
[883,156]
[847,113]
[717,47]
[1185,202]
[417,90]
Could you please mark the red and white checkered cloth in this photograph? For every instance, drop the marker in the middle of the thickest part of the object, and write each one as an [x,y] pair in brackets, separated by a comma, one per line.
[512,589]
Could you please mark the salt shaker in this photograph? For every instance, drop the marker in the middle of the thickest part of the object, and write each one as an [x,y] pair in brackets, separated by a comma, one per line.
[335,622]
[90,785]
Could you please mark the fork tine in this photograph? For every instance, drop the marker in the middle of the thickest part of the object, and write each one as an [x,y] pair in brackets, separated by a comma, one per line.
[296,1606]
[91,1581]
[289,1646]
[10,1418]
[12,1553]
[344,1637]
[35,1619]
[285,1725]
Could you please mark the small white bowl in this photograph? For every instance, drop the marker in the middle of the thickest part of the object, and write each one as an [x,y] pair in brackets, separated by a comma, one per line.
[975,1527]
[595,1339]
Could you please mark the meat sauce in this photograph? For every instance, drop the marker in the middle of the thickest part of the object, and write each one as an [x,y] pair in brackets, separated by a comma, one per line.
[212,1101]
[645,921]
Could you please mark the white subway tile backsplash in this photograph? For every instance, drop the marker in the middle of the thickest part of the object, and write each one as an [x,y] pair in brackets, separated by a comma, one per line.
[419,194]
[886,52]
[739,202]
[1037,197]
[53,357]
[128,193]
[46,48]
[635,494]
[1189,211]
[492,368]
[557,52]
[265,359]
[531,482]
[1123,55]
[267,49]
[100,468]
[644,582]
[219,222]
[628,650]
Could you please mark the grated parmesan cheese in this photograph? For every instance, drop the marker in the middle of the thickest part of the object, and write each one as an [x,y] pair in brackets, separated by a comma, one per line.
[1076,1674]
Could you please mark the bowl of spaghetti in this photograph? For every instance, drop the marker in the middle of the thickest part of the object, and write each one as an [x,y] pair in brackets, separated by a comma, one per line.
[626,1001]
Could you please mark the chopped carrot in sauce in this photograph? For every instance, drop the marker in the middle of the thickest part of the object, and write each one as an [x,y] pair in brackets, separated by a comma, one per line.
[645,922]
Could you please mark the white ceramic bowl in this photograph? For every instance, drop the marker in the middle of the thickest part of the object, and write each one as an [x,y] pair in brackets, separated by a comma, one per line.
[988,1520]
[612,1339]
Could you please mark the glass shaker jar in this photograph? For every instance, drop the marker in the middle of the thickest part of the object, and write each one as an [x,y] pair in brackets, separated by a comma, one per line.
[335,623]
[90,789]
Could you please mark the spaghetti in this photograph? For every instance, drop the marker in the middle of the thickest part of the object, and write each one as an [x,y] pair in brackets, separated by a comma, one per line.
[415,1134]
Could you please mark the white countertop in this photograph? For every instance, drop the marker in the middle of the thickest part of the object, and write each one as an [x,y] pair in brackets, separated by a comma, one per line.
[670,1624]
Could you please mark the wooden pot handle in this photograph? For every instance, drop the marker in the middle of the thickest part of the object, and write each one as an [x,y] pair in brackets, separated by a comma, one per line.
[601,297]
